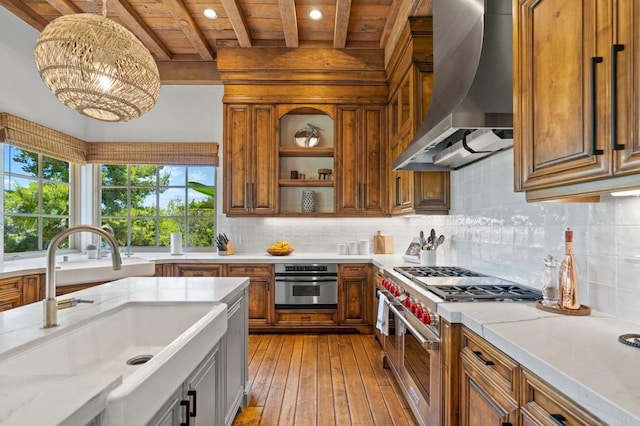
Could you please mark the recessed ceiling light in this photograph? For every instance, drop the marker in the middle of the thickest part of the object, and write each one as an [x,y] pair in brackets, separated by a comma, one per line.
[210,13]
[315,14]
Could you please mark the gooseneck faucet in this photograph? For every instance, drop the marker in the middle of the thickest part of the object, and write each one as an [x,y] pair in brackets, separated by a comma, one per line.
[50,318]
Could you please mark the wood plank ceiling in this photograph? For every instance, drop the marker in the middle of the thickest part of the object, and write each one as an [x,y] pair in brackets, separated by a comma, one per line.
[183,41]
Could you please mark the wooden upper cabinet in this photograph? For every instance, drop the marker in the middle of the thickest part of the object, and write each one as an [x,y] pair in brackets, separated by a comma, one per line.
[361,145]
[576,122]
[627,34]
[250,153]
[410,72]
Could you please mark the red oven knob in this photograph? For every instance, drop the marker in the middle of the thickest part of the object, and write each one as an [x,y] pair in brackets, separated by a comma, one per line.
[419,312]
[385,283]
[407,302]
[397,292]
[414,306]
[426,318]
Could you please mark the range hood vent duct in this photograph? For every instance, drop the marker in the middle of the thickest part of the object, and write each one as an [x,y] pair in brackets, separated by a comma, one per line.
[473,67]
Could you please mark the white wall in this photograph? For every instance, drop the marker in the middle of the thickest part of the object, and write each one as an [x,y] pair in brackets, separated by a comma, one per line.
[490,228]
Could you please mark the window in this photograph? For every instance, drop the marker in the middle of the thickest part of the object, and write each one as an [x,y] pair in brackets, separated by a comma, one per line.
[144,204]
[36,199]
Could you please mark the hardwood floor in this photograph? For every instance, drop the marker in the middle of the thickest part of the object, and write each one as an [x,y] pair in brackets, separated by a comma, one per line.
[322,379]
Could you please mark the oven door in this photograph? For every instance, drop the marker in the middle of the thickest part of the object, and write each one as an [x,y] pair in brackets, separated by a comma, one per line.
[419,366]
[306,291]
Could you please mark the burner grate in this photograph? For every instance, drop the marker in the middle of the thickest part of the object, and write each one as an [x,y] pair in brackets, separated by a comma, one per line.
[485,292]
[436,271]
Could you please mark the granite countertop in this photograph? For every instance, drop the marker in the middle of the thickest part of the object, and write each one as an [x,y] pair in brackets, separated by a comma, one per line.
[77,398]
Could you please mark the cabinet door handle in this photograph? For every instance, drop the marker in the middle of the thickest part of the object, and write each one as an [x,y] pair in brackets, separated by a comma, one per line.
[185,404]
[594,130]
[614,97]
[194,399]
[398,194]
[506,424]
[558,419]
[478,354]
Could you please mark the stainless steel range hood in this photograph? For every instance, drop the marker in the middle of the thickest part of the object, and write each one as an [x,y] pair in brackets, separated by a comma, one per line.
[472,79]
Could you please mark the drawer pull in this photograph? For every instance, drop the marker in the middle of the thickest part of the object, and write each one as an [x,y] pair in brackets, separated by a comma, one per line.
[558,419]
[478,354]
[506,424]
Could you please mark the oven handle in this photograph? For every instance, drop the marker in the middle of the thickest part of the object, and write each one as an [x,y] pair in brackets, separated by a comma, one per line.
[303,280]
[430,343]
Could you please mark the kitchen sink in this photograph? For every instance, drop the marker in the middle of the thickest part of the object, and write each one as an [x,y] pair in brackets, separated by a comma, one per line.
[152,345]
[83,270]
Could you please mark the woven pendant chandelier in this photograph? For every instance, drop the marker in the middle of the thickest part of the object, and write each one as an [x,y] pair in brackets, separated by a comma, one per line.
[97,67]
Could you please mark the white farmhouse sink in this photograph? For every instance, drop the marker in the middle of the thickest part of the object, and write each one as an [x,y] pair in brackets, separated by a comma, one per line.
[177,336]
[83,270]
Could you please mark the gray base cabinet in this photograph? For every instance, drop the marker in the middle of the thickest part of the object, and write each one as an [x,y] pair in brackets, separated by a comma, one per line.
[198,398]
[235,358]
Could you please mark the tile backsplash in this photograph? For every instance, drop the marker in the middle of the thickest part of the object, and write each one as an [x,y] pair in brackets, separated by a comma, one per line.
[493,230]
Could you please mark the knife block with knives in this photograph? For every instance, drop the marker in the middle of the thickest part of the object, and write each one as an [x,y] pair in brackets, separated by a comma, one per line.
[224,245]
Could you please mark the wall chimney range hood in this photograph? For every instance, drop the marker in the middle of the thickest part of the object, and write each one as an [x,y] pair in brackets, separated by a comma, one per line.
[471,111]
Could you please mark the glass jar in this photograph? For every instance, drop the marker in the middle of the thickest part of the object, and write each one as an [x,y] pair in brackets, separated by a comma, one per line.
[550,290]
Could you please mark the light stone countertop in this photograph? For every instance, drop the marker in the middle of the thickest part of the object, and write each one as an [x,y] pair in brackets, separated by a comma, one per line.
[75,399]
[37,265]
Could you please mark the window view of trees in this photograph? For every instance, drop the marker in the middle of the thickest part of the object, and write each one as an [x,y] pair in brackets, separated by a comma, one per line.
[145,204]
[36,199]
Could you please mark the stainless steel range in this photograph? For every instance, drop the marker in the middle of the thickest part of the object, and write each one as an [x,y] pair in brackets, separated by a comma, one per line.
[453,284]
[412,346]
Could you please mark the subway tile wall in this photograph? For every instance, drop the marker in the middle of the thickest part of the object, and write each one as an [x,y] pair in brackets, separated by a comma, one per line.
[493,230]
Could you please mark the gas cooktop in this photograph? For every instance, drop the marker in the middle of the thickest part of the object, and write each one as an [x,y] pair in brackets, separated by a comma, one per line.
[435,271]
[453,284]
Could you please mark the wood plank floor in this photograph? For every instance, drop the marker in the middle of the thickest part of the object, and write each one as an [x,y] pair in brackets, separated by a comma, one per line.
[321,379]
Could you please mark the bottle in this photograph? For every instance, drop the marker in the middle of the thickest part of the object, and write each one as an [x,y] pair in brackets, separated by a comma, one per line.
[550,291]
[569,275]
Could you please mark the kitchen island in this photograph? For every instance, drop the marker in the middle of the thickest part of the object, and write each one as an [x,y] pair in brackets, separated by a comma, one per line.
[82,397]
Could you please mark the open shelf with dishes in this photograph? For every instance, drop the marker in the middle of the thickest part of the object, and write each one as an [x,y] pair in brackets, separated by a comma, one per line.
[306,164]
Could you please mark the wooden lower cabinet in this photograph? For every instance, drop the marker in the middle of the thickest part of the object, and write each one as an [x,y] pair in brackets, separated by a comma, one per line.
[481,402]
[65,289]
[496,390]
[354,294]
[306,317]
[261,302]
[544,405]
[193,270]
[10,293]
[18,291]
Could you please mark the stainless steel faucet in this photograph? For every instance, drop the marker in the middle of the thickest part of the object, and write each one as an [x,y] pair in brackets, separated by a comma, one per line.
[50,318]
[102,250]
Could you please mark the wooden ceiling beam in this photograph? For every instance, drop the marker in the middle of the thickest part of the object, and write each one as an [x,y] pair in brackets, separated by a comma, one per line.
[65,7]
[236,17]
[190,28]
[343,13]
[189,72]
[405,8]
[289,22]
[25,13]
[136,25]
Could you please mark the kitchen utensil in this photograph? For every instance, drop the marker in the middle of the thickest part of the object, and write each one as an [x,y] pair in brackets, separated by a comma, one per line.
[423,242]
[438,242]
[433,236]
